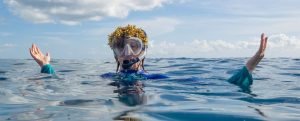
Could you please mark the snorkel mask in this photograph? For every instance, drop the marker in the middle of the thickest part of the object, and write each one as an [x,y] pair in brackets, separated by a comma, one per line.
[129,45]
[130,51]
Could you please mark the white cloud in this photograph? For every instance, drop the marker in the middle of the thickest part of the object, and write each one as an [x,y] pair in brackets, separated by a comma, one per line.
[157,26]
[5,46]
[8,45]
[153,27]
[251,8]
[279,45]
[4,34]
[72,12]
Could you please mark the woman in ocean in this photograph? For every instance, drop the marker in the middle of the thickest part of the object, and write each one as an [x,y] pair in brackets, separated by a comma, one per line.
[129,45]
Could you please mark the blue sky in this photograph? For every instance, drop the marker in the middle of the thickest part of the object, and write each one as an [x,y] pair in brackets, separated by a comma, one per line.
[176,28]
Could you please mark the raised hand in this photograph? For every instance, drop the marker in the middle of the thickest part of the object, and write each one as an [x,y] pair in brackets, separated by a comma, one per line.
[38,56]
[263,45]
[252,62]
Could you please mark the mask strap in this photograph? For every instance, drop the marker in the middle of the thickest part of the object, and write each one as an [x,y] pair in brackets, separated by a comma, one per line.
[118,64]
[141,57]
[143,65]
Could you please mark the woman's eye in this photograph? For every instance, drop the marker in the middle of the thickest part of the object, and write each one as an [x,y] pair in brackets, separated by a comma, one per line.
[120,49]
[133,45]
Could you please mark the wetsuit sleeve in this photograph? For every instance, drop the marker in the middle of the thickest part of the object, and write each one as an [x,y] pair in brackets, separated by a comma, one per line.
[47,69]
[155,76]
[242,78]
[109,75]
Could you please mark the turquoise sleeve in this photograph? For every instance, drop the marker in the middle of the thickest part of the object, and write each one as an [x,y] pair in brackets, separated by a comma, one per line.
[47,69]
[242,78]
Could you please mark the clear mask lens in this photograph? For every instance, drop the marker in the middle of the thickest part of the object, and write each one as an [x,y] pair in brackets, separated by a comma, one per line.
[130,46]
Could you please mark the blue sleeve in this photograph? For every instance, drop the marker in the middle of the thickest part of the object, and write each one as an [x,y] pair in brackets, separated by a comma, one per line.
[109,75]
[242,78]
[47,69]
[155,76]
[141,76]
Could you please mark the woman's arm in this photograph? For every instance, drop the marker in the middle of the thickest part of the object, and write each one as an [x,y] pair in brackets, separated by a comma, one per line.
[41,59]
[243,78]
[252,62]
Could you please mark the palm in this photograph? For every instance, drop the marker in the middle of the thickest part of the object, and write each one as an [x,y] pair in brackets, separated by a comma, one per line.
[38,56]
[263,45]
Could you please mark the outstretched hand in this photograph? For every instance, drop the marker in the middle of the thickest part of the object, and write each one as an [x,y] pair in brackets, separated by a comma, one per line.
[263,45]
[38,56]
[252,63]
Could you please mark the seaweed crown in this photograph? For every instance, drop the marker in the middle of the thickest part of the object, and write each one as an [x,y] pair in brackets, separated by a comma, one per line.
[127,31]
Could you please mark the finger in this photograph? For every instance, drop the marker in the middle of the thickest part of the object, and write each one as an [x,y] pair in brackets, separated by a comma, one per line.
[38,49]
[36,54]
[262,41]
[31,49]
[266,41]
[48,54]
[32,53]
[264,44]
[262,36]
[34,49]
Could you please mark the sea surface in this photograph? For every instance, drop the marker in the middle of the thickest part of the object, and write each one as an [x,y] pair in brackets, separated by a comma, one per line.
[196,90]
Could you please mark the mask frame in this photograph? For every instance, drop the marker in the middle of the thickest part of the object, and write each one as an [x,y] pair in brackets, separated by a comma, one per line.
[137,57]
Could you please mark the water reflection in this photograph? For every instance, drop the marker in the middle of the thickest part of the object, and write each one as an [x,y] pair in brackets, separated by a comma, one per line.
[131,93]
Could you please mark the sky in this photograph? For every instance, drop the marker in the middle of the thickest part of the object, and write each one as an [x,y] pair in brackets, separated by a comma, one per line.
[78,29]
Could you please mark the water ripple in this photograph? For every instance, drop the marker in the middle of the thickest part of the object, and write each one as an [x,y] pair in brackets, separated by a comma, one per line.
[277,100]
[3,78]
[196,89]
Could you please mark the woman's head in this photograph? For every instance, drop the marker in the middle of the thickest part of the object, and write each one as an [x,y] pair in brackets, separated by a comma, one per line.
[129,45]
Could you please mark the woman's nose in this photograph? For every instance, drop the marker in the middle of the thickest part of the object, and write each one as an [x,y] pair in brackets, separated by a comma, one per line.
[128,50]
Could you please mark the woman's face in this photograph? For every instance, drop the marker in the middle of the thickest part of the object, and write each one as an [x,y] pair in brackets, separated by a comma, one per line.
[128,52]
[123,60]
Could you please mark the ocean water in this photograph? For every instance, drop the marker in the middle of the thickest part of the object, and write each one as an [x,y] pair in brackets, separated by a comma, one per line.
[196,90]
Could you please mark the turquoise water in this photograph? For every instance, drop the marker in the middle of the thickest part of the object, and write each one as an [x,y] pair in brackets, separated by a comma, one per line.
[196,90]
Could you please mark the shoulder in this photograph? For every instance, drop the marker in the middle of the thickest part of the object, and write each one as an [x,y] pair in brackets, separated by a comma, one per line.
[144,74]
